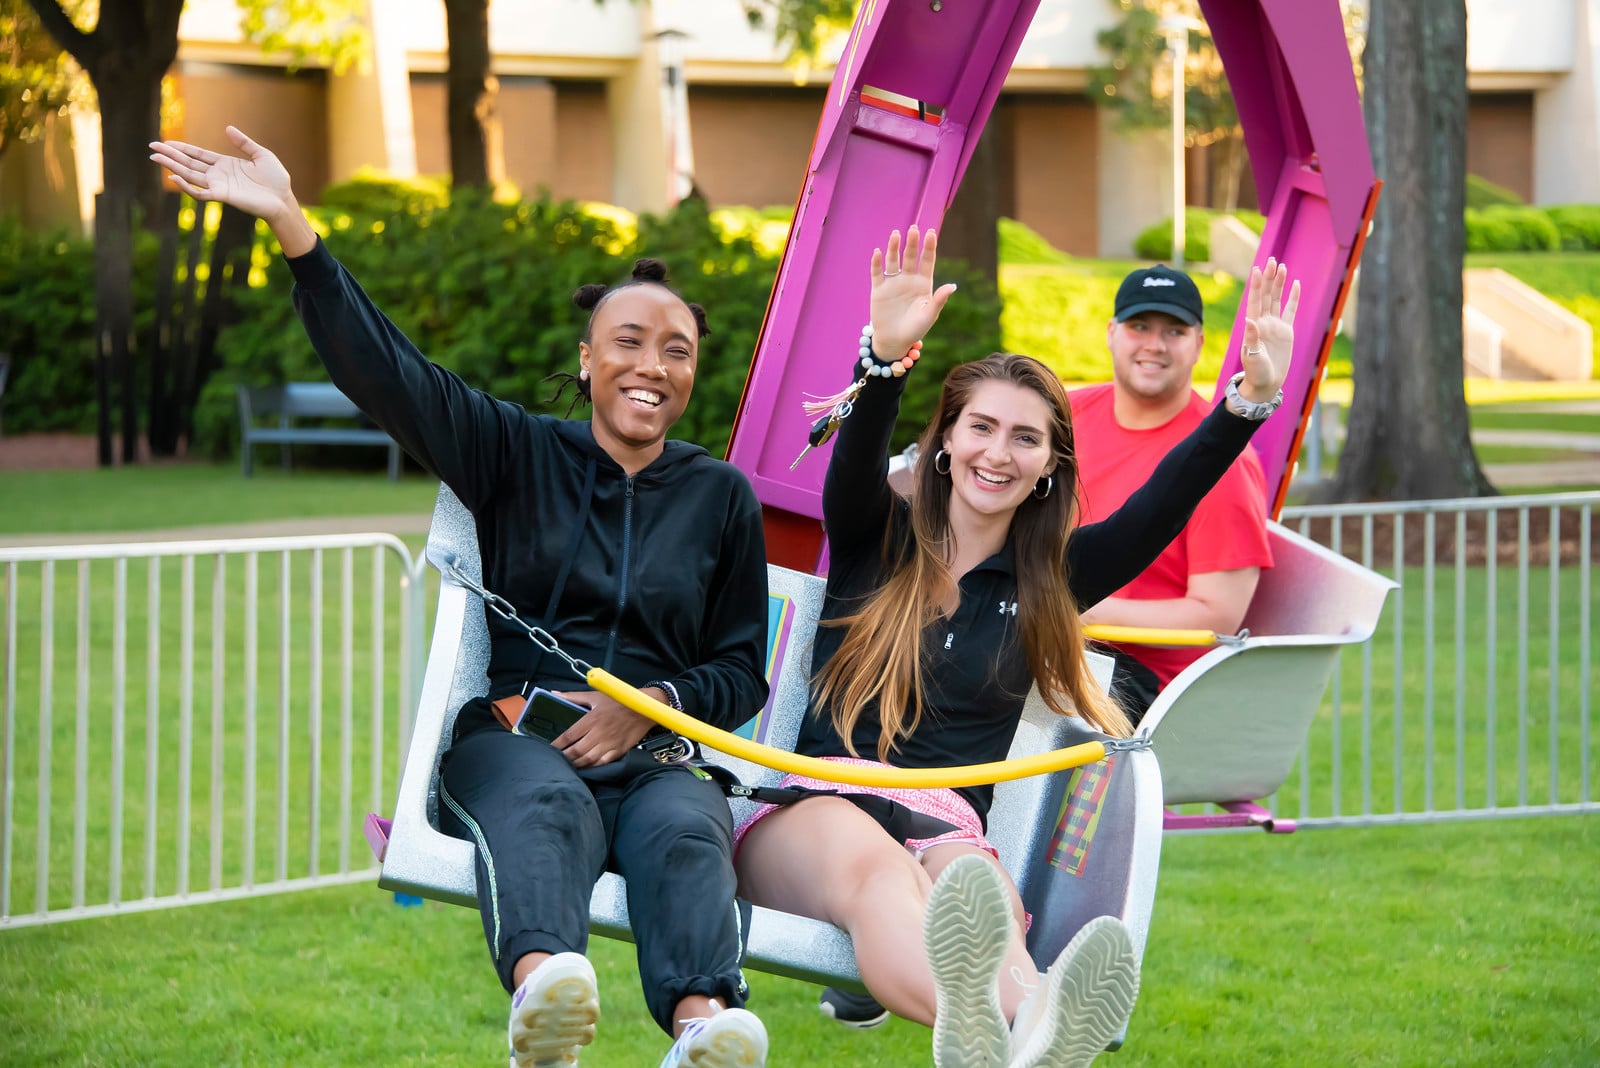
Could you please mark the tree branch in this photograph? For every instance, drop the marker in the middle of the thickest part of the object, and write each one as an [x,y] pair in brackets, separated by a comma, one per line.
[83,47]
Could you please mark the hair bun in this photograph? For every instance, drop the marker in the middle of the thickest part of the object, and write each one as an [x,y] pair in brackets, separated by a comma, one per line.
[588,296]
[648,270]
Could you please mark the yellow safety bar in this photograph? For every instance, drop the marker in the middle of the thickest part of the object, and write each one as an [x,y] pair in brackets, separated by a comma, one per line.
[833,771]
[1101,632]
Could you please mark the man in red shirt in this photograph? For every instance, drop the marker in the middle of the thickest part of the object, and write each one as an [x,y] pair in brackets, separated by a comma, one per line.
[1206,577]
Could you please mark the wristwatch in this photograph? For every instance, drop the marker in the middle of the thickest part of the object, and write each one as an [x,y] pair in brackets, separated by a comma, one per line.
[1249,409]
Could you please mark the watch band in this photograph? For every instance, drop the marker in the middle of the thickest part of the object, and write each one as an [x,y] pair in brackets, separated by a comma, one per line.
[1250,409]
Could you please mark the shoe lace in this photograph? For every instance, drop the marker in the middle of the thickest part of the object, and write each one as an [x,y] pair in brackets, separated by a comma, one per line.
[1022,1022]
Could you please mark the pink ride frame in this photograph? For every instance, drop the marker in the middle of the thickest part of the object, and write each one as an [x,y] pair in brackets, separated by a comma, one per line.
[914,86]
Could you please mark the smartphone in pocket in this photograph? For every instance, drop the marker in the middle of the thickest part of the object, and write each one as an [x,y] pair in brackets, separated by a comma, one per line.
[546,715]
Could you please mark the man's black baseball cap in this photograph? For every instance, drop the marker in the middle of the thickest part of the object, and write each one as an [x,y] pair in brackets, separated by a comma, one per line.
[1159,289]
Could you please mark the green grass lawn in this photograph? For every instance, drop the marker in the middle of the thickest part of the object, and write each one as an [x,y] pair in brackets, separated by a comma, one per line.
[1497,417]
[1448,721]
[153,496]
[1462,944]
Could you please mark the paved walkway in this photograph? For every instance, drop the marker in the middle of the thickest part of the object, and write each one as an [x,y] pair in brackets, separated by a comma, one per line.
[1583,469]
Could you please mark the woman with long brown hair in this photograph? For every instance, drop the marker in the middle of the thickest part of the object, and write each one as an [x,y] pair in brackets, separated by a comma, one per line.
[941,612]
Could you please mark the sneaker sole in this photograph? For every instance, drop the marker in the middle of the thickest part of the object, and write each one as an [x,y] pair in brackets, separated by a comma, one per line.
[967,931]
[734,1046]
[547,1031]
[1092,988]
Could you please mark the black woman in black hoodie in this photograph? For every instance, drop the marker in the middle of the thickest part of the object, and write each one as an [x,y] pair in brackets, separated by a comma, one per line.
[642,555]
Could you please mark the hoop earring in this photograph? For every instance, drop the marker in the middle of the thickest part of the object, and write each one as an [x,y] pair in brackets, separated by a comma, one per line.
[941,455]
[1049,484]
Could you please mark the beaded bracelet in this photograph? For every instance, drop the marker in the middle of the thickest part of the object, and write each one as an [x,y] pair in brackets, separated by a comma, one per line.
[835,409]
[873,364]
[670,690]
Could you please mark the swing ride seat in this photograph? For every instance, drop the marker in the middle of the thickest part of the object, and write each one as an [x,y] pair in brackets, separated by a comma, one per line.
[1229,727]
[1080,843]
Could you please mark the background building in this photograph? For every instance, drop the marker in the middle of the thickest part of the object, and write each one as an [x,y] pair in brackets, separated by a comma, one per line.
[585,116]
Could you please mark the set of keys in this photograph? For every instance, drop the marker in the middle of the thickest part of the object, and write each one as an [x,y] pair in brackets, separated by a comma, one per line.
[825,427]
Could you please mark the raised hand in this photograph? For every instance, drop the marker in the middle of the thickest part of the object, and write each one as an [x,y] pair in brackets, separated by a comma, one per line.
[904,302]
[257,183]
[1268,331]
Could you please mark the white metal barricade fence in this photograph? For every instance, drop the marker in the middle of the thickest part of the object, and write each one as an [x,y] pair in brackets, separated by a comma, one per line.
[270,709]
[1475,697]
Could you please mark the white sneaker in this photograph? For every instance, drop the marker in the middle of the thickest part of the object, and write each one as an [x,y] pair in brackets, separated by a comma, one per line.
[967,931]
[732,1038]
[1084,1001]
[554,1012]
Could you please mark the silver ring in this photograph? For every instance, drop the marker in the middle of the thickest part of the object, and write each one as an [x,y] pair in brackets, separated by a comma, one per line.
[890,274]
[1254,352]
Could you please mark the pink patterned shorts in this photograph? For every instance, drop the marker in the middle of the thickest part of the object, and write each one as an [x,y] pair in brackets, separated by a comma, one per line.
[943,804]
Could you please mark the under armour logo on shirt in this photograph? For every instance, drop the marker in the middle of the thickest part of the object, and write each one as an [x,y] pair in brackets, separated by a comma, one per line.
[1008,607]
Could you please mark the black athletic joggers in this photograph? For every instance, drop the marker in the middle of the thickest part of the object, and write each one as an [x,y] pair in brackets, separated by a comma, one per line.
[543,836]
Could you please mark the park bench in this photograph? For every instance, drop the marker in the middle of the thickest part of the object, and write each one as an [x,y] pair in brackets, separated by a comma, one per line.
[303,400]
[1080,843]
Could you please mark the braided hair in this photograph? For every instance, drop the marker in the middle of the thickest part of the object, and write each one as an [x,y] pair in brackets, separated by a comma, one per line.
[590,298]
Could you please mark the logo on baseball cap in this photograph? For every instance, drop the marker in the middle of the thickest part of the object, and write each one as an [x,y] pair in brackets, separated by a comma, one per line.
[1159,289]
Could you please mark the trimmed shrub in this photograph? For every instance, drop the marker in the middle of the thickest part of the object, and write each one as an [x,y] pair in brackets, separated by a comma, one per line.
[1511,229]
[1155,242]
[1578,225]
[1020,245]
[1482,193]
[47,325]
[375,193]
[1488,233]
[767,227]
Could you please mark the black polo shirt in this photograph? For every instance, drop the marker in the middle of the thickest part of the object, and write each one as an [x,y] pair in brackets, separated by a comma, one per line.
[975,673]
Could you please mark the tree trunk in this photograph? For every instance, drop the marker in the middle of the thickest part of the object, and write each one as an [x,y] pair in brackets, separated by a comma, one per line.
[130,118]
[125,55]
[1408,434]
[477,155]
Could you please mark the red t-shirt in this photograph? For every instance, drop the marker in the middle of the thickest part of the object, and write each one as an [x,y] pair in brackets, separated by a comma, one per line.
[1227,532]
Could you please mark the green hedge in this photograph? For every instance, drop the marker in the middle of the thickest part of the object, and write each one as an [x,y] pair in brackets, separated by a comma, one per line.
[1021,245]
[485,289]
[1578,225]
[1482,193]
[47,325]
[1511,229]
[372,192]
[1155,242]
[1497,226]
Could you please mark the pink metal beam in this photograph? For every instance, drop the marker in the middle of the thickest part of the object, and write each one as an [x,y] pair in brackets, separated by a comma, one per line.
[913,88]
[1296,93]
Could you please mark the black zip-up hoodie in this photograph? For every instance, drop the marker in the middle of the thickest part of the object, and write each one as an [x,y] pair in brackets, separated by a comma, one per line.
[661,576]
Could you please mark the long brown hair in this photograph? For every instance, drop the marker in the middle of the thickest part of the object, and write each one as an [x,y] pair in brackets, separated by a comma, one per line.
[880,656]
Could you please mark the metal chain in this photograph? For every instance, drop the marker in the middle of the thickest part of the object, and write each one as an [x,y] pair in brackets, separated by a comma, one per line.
[503,608]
